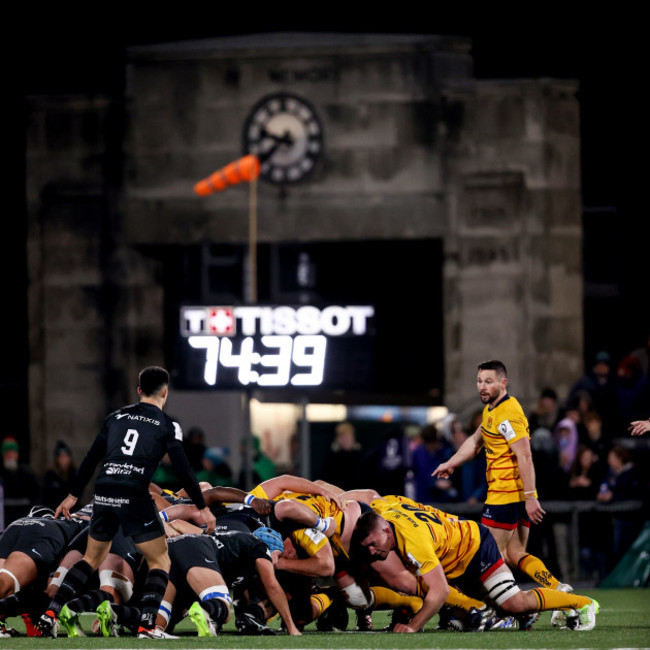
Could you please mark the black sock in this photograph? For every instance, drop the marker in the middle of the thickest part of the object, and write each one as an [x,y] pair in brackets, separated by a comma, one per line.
[217,609]
[128,616]
[152,595]
[27,601]
[72,584]
[256,612]
[89,601]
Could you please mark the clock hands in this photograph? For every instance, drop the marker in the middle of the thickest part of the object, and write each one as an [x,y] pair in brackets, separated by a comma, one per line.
[285,139]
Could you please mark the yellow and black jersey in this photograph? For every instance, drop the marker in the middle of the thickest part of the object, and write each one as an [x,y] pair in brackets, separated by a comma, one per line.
[309,539]
[426,537]
[501,426]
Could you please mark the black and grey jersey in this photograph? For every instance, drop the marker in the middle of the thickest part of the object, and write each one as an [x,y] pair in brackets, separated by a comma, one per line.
[237,553]
[131,443]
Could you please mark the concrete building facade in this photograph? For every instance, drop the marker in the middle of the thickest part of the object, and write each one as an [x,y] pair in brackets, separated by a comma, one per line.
[410,147]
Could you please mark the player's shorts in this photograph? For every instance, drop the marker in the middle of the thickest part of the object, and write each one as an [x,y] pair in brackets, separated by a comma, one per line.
[185,553]
[41,539]
[136,514]
[188,551]
[485,562]
[508,516]
[121,546]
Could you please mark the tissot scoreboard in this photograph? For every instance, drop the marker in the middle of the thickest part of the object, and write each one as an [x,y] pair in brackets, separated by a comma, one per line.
[304,347]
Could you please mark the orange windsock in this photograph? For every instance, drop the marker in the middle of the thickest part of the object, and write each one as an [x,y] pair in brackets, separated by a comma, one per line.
[245,169]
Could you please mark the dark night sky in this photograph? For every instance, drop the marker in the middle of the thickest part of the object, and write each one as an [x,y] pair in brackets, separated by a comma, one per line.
[79,53]
[84,53]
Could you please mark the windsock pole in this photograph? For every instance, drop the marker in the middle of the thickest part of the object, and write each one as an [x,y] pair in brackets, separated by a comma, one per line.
[252,242]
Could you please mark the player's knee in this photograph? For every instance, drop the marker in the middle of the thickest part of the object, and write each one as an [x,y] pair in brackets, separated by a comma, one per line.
[516,604]
[355,597]
[9,584]
[118,585]
[503,590]
[216,600]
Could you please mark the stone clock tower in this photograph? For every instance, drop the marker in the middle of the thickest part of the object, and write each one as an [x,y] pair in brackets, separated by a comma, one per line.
[361,138]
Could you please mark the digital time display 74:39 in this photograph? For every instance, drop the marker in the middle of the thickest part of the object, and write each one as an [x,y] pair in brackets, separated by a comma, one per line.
[224,347]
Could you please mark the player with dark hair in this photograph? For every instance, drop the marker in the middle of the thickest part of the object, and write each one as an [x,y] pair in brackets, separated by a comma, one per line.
[130,445]
[443,549]
[511,503]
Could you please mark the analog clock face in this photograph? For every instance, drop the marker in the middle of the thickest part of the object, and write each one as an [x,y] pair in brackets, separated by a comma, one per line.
[284,132]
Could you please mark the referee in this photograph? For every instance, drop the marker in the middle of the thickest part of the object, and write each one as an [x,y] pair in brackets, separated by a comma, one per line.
[131,443]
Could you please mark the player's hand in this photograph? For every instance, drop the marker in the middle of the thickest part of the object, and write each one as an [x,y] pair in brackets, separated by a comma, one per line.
[639,427]
[534,511]
[444,470]
[261,506]
[65,506]
[401,628]
[294,631]
[208,519]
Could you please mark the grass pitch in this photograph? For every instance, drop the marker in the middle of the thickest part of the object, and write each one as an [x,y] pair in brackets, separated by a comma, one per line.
[623,622]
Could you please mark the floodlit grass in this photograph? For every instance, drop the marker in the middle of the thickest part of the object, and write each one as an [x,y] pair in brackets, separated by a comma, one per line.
[623,622]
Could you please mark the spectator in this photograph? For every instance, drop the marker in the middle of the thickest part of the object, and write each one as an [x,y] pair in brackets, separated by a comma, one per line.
[57,480]
[600,385]
[621,484]
[21,488]
[566,439]
[632,391]
[431,452]
[585,477]
[195,447]
[343,461]
[596,440]
[263,468]
[215,469]
[388,467]
[545,414]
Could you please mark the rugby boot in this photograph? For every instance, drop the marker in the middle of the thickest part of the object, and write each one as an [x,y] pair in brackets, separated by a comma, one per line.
[246,623]
[154,633]
[48,625]
[559,616]
[107,619]
[69,620]
[205,626]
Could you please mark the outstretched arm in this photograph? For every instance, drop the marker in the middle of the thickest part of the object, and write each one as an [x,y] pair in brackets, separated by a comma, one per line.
[466,452]
[276,594]
[437,592]
[287,483]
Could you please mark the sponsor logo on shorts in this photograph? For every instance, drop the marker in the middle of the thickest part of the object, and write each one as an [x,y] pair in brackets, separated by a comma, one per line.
[113,502]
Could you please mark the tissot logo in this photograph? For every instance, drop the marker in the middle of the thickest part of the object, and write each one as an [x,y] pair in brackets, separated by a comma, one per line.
[334,320]
[221,321]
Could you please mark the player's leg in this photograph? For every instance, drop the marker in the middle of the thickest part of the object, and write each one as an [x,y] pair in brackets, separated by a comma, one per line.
[116,579]
[501,587]
[212,609]
[156,555]
[517,556]
[17,571]
[73,583]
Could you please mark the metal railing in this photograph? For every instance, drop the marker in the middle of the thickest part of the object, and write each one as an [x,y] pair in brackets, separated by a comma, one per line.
[574,509]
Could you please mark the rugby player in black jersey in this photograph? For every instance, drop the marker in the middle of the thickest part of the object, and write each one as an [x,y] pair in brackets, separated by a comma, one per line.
[131,443]
[30,549]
